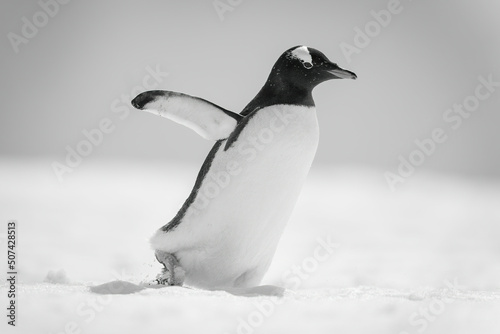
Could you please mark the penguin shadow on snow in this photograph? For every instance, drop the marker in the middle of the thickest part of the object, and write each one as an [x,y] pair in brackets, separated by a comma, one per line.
[119,287]
[227,243]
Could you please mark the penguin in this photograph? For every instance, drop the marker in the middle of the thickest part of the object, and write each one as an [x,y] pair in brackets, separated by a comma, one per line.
[226,233]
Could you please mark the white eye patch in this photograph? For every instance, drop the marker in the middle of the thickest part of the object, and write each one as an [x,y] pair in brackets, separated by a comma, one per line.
[307,65]
[302,53]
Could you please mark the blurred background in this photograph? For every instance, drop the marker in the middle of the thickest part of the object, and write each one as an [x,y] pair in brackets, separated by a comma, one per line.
[91,54]
[70,69]
[67,68]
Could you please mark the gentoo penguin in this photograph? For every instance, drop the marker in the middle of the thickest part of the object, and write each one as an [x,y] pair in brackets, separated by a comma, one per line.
[227,231]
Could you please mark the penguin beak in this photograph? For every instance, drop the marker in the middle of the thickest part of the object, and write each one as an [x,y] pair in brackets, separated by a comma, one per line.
[340,73]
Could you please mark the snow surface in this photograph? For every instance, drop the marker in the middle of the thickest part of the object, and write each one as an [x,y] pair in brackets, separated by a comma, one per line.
[423,259]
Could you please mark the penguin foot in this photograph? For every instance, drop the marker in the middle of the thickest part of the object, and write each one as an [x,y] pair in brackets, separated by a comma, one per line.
[172,273]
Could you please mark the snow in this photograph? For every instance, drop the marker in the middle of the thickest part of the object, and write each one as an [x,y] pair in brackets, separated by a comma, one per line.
[57,277]
[356,257]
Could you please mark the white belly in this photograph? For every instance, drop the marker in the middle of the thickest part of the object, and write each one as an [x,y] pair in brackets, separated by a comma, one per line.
[229,234]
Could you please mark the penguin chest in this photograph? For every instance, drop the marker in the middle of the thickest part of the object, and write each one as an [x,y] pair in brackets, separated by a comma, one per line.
[233,226]
[269,163]
[251,188]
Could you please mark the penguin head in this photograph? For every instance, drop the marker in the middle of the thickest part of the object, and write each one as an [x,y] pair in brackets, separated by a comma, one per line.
[305,67]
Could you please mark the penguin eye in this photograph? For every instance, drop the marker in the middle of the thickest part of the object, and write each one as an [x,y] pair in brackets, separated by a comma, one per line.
[307,65]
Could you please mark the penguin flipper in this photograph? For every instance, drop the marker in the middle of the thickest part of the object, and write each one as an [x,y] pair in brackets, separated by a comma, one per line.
[205,118]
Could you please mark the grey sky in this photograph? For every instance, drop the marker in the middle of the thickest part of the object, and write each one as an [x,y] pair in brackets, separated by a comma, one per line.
[74,71]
